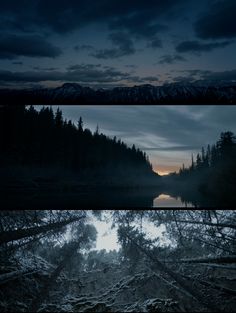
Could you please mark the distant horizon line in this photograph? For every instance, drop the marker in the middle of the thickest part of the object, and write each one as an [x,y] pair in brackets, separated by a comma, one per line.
[197,83]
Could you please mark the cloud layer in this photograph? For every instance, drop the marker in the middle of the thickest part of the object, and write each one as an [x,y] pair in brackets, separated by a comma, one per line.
[61,16]
[169,134]
[123,46]
[197,47]
[13,46]
[156,37]
[218,22]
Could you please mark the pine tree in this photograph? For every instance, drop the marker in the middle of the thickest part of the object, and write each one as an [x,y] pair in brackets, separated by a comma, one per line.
[96,133]
[41,138]
[192,164]
[80,125]
[198,162]
[208,156]
[58,119]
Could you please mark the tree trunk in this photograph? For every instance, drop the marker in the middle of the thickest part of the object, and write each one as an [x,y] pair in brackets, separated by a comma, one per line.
[233,226]
[180,281]
[13,235]
[225,267]
[231,259]
[52,279]
[4,278]
[214,245]
[212,285]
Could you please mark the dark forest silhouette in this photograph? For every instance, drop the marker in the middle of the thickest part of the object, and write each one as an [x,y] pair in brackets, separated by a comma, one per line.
[212,174]
[44,138]
[42,150]
[48,161]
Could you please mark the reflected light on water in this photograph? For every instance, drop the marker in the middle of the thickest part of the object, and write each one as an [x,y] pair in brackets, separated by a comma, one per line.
[163,196]
[165,200]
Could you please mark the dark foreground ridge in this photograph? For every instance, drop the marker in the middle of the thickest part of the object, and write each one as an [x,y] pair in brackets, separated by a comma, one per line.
[72,93]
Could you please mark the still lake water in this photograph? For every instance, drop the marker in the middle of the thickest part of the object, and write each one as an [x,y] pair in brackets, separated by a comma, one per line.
[108,198]
[164,200]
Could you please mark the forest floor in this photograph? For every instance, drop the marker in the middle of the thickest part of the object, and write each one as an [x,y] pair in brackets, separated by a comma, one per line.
[114,288]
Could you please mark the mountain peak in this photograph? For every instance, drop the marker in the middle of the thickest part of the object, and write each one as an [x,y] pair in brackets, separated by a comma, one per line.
[142,94]
[71,85]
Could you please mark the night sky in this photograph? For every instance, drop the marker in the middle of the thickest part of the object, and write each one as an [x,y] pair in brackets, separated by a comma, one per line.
[168,134]
[106,43]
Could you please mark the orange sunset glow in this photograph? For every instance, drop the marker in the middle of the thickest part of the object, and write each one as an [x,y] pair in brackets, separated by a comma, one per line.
[165,169]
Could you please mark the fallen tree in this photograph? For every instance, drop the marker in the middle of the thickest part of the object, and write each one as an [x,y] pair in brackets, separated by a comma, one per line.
[185,285]
[231,259]
[5,278]
[13,235]
[212,285]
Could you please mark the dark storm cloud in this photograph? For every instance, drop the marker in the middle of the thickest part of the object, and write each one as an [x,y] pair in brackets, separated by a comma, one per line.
[170,59]
[83,48]
[183,80]
[151,78]
[197,47]
[173,148]
[195,72]
[44,68]
[220,76]
[17,63]
[123,46]
[135,26]
[111,53]
[144,80]
[84,67]
[79,73]
[204,76]
[82,73]
[18,15]
[131,66]
[218,21]
[121,40]
[135,16]
[13,46]
[155,43]
[140,25]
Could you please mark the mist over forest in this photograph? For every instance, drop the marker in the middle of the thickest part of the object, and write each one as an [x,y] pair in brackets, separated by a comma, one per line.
[49,161]
[49,261]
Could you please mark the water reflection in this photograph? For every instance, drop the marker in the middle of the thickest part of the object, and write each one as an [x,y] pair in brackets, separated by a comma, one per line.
[88,199]
[165,201]
[99,198]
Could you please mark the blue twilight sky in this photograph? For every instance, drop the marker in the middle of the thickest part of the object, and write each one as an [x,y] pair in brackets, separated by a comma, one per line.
[169,134]
[107,43]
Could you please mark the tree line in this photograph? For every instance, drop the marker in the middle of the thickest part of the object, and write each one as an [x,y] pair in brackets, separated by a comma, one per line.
[214,170]
[44,138]
[214,156]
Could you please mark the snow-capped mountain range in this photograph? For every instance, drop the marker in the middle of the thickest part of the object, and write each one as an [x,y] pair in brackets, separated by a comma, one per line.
[72,93]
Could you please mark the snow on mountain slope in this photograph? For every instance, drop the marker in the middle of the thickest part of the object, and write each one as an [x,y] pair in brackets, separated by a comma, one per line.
[143,94]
